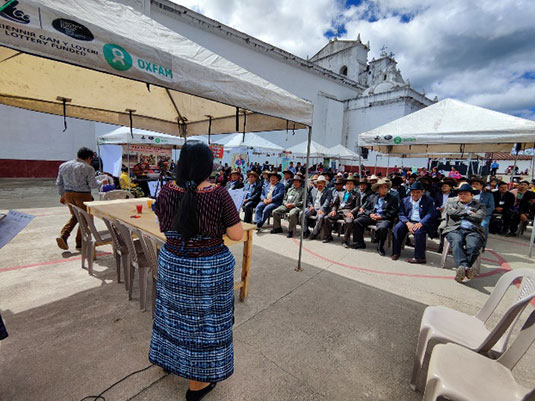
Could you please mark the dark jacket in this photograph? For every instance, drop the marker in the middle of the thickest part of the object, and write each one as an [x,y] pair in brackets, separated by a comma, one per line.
[506,201]
[390,206]
[352,203]
[276,196]
[438,198]
[325,199]
[234,184]
[363,197]
[428,211]
[455,212]
[253,192]
[524,205]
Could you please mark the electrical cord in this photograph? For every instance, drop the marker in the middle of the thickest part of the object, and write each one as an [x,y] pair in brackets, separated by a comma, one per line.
[101,398]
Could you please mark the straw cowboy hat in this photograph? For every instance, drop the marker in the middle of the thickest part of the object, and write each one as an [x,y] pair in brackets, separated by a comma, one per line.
[274,173]
[253,173]
[352,178]
[320,178]
[383,181]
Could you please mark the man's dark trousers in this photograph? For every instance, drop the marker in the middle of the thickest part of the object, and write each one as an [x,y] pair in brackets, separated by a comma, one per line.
[360,224]
[420,240]
[466,245]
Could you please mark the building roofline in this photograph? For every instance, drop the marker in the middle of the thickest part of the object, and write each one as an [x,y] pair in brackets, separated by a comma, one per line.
[193,18]
[355,42]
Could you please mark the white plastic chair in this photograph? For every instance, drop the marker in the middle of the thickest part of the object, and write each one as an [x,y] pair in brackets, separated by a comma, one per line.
[86,235]
[120,252]
[117,194]
[460,374]
[444,325]
[150,249]
[137,261]
[94,239]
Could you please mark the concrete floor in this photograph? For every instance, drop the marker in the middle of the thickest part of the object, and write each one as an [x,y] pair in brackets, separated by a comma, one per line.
[343,329]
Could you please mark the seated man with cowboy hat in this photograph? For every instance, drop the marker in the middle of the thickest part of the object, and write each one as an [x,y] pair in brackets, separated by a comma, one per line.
[271,198]
[292,204]
[288,179]
[318,204]
[381,208]
[234,182]
[463,216]
[417,214]
[337,190]
[253,191]
[345,207]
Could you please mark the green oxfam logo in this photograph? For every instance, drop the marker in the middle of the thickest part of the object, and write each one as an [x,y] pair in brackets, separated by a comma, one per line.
[397,140]
[157,140]
[117,57]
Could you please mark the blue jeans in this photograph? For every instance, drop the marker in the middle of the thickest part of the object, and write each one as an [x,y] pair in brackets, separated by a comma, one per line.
[263,212]
[466,245]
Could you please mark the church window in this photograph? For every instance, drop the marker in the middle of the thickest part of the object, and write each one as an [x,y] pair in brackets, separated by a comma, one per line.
[343,70]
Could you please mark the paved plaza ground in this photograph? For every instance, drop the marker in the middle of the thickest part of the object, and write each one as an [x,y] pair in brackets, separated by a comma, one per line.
[345,328]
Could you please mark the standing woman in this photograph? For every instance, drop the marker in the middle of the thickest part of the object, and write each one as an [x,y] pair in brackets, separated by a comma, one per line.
[192,331]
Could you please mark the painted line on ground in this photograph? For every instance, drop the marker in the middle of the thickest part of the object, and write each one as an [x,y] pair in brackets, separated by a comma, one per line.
[502,262]
[52,262]
[514,242]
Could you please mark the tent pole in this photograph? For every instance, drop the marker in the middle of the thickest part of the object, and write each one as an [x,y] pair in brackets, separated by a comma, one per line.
[469,165]
[360,164]
[533,162]
[387,164]
[375,167]
[299,267]
[514,166]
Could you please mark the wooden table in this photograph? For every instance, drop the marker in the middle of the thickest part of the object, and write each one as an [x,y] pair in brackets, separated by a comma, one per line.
[122,209]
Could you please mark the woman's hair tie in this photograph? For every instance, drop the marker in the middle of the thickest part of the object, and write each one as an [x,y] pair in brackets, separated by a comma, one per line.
[191,185]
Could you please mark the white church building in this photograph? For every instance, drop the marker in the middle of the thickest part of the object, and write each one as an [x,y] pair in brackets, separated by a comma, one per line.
[351,94]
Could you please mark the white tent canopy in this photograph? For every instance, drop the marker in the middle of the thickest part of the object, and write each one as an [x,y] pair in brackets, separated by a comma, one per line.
[450,126]
[103,61]
[341,152]
[316,150]
[251,141]
[122,135]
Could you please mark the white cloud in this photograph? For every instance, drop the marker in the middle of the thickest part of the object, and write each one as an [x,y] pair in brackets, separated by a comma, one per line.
[476,51]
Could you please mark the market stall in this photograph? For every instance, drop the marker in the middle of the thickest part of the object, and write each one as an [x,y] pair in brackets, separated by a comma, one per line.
[151,149]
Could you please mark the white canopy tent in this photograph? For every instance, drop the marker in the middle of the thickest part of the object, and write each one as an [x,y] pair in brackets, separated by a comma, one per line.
[122,135]
[450,126]
[342,153]
[251,141]
[118,66]
[316,150]
[103,61]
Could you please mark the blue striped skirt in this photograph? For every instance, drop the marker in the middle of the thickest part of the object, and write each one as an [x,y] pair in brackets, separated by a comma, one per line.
[192,330]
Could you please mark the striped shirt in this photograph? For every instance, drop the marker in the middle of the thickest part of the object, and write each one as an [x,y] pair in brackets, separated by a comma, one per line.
[216,212]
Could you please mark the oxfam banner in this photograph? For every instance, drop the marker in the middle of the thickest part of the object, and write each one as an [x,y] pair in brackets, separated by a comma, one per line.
[28,26]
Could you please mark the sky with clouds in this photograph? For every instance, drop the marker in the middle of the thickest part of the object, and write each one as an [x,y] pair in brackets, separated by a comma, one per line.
[481,52]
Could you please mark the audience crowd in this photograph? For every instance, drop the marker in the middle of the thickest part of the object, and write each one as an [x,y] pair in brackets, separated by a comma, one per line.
[459,210]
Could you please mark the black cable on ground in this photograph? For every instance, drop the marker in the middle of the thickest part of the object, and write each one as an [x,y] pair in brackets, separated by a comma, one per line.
[101,398]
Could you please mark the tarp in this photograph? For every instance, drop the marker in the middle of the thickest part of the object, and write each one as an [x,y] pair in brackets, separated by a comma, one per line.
[103,61]
[316,150]
[341,152]
[122,136]
[450,126]
[251,141]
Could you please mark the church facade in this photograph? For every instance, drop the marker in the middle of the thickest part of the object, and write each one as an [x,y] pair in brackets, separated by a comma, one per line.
[350,93]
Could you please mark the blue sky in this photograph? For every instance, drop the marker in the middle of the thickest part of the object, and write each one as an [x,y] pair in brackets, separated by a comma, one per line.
[481,52]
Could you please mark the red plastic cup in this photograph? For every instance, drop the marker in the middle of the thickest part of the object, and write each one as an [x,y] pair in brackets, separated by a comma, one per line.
[139,208]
